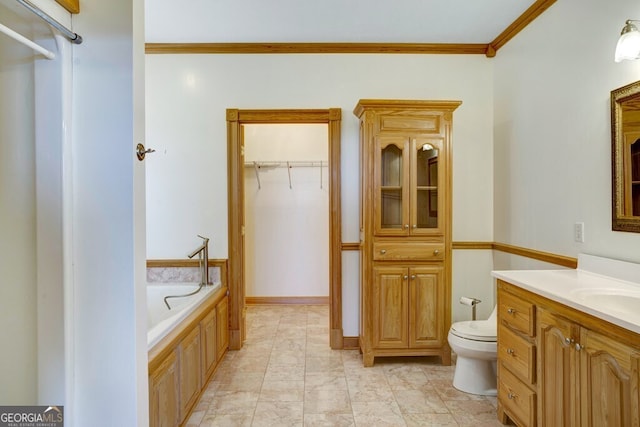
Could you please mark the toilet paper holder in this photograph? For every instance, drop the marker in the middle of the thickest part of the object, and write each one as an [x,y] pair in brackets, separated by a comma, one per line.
[472,302]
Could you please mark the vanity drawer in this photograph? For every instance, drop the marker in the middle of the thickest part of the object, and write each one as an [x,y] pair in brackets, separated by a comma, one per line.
[518,400]
[400,251]
[517,354]
[517,313]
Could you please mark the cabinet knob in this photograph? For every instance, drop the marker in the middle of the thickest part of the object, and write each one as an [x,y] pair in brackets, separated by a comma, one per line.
[406,226]
[413,276]
[512,396]
[383,251]
[511,311]
[579,346]
[511,351]
[436,252]
[405,277]
[414,226]
[569,341]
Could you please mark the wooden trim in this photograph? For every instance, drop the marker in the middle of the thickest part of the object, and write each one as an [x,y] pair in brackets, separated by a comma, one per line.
[562,260]
[235,169]
[351,343]
[472,245]
[72,6]
[286,300]
[518,25]
[350,246]
[307,48]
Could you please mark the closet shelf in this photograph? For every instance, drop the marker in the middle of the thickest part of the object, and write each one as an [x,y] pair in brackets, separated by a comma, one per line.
[286,164]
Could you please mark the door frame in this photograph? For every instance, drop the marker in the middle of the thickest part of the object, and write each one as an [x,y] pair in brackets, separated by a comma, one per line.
[235,182]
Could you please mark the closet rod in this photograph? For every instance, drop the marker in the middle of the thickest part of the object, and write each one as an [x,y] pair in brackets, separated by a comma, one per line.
[73,37]
[25,41]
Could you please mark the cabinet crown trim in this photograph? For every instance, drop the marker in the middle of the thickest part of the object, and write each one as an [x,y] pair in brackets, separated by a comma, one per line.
[440,106]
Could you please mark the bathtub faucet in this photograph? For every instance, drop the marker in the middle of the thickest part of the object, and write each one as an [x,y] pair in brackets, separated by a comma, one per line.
[203,255]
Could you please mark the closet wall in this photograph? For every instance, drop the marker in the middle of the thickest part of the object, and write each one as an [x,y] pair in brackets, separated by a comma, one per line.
[286,210]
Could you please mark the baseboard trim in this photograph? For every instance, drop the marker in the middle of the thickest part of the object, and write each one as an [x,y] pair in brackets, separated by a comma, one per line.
[286,300]
[351,343]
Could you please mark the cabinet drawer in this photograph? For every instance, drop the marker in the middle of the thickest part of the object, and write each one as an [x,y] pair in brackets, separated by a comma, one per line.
[518,400]
[517,313]
[399,251]
[517,354]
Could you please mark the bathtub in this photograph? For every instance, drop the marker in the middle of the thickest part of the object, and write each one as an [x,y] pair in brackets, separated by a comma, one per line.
[161,320]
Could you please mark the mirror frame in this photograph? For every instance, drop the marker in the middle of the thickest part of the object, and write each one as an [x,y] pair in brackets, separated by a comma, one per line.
[620,222]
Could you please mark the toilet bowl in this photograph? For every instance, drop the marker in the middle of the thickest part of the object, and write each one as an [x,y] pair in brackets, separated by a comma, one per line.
[475,343]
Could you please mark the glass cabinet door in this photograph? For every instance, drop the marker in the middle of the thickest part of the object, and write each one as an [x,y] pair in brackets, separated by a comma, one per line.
[426,199]
[392,181]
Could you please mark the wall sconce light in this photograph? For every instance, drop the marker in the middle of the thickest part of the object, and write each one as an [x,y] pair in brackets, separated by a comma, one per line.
[628,46]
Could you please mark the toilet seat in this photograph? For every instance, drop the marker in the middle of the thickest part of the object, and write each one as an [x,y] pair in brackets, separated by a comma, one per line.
[476,330]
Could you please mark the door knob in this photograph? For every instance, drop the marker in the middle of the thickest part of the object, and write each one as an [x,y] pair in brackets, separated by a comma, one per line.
[141,152]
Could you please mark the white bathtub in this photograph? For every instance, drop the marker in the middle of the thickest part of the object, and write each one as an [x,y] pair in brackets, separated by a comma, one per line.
[161,320]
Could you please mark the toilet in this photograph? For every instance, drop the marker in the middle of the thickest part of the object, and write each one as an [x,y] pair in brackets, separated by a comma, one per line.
[475,343]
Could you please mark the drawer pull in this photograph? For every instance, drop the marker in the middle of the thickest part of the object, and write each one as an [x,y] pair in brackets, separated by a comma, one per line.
[511,351]
[436,252]
[511,311]
[512,396]
[383,251]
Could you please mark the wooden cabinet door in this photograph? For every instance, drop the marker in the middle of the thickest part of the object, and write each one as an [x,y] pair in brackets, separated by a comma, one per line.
[209,345]
[427,185]
[391,186]
[222,336]
[426,312]
[610,376]
[189,350]
[558,371]
[163,394]
[390,306]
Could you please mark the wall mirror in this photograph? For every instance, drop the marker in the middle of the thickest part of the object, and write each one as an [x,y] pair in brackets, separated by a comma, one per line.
[625,157]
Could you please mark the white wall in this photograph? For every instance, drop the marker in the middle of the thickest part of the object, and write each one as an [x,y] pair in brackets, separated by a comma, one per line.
[287,228]
[18,304]
[552,131]
[187,96]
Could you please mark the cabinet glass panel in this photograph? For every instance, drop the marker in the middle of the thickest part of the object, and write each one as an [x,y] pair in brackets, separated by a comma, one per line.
[391,187]
[426,186]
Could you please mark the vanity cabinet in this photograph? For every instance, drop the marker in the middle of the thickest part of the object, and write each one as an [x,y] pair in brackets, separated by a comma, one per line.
[405,227]
[588,369]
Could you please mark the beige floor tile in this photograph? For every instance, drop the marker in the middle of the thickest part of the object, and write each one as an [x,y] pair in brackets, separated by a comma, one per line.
[270,414]
[329,420]
[282,391]
[287,374]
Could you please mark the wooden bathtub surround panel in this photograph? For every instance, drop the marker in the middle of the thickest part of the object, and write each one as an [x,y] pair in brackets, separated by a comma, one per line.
[189,353]
[72,6]
[235,167]
[180,371]
[588,370]
[164,408]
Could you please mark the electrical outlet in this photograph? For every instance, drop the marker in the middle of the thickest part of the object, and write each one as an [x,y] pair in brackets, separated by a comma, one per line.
[578,232]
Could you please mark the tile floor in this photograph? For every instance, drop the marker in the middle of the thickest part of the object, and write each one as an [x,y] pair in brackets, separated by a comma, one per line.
[286,375]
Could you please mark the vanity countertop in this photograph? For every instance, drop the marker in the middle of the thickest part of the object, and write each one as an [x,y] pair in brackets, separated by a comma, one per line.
[608,298]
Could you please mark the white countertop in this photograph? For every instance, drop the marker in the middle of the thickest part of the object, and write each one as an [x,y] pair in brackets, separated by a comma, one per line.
[609,298]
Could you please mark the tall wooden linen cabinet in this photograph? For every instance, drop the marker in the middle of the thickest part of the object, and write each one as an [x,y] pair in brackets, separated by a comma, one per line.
[405,228]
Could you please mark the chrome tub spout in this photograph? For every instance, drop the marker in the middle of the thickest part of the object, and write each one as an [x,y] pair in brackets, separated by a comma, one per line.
[203,255]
